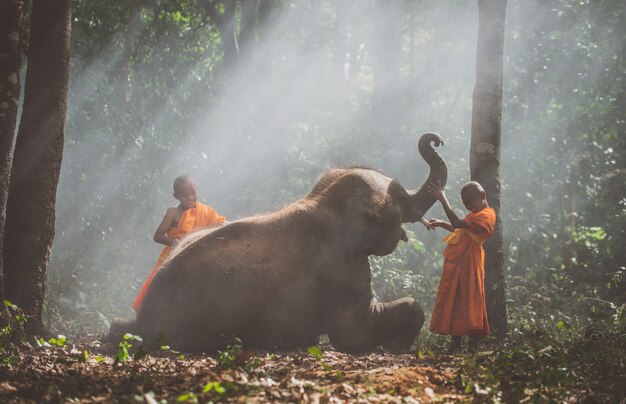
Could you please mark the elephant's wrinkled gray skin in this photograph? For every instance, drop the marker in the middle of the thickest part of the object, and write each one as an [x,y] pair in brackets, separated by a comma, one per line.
[280,280]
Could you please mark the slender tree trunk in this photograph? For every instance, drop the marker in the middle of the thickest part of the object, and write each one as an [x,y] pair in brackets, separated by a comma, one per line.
[226,23]
[485,147]
[386,49]
[121,102]
[247,26]
[37,162]
[11,17]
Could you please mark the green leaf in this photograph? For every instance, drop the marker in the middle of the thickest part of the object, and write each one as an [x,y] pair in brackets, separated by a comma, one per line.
[82,357]
[10,305]
[132,337]
[215,386]
[187,397]
[315,351]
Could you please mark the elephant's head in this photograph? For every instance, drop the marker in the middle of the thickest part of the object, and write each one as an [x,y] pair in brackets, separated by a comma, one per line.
[372,206]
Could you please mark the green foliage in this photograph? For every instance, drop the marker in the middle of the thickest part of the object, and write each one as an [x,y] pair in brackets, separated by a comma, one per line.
[60,341]
[316,352]
[228,358]
[123,352]
[412,270]
[14,328]
[187,398]
[565,215]
[219,390]
[214,386]
[13,331]
[234,357]
[548,363]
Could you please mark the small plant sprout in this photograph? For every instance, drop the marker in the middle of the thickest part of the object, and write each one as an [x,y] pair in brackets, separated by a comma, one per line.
[316,352]
[123,354]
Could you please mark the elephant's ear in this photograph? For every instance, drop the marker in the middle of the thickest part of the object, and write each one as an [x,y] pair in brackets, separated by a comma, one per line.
[356,209]
[356,225]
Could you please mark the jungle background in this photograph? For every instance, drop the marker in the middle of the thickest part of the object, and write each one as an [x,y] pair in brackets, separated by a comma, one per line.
[158,89]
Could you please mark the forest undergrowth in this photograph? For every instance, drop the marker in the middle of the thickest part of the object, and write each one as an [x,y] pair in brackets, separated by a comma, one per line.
[535,363]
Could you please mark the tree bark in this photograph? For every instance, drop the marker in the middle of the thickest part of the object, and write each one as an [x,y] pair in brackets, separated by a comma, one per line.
[11,18]
[37,161]
[226,23]
[123,67]
[386,50]
[247,25]
[485,147]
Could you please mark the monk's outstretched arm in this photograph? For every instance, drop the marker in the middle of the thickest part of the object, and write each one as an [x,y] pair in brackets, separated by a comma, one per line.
[440,223]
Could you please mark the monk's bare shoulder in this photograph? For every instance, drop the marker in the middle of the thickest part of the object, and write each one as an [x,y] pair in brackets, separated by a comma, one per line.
[170,219]
[174,213]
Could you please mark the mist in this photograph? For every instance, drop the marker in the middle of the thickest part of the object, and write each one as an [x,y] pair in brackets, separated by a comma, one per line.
[323,84]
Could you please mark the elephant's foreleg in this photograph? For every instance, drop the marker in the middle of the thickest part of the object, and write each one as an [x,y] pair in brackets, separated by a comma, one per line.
[392,325]
[397,323]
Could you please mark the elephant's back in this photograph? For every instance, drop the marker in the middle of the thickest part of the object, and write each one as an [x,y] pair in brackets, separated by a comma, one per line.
[236,275]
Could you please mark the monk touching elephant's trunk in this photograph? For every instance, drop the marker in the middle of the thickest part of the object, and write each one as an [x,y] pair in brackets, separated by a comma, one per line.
[280,280]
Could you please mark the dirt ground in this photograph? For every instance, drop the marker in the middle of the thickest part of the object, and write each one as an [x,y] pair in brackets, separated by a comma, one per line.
[88,372]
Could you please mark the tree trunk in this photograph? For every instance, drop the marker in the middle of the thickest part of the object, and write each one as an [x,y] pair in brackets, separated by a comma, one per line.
[386,50]
[247,25]
[37,161]
[11,17]
[485,147]
[121,102]
[226,23]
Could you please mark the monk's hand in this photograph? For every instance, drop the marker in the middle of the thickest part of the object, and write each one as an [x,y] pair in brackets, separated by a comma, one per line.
[433,223]
[437,190]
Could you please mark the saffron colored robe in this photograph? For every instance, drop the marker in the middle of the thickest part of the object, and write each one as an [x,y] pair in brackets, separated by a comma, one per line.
[460,307]
[197,218]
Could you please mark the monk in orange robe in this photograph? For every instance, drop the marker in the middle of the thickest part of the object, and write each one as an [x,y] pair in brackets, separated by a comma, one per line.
[460,307]
[189,216]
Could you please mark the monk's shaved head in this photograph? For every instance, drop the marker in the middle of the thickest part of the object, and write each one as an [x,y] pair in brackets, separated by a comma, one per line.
[182,180]
[473,196]
[472,189]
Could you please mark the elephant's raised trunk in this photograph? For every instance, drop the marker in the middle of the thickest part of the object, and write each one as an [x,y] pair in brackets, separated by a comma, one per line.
[422,200]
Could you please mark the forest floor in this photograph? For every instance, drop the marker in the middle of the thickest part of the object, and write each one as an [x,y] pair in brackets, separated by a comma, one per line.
[57,371]
[88,373]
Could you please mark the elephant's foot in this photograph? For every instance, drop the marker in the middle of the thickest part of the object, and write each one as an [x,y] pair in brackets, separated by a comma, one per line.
[400,324]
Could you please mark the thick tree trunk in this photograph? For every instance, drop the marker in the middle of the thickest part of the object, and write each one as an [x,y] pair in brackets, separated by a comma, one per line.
[37,161]
[11,17]
[485,147]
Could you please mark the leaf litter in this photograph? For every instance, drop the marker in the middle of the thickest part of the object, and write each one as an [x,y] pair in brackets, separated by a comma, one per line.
[86,372]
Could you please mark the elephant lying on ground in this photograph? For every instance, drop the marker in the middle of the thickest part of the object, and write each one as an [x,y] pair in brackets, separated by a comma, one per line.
[282,279]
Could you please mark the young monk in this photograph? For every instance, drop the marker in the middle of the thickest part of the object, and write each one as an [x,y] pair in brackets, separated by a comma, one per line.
[460,305]
[189,216]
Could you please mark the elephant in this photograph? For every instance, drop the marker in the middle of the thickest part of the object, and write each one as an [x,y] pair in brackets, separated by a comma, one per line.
[281,280]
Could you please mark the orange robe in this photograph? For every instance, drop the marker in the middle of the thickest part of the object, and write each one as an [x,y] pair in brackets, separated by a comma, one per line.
[199,217]
[460,307]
